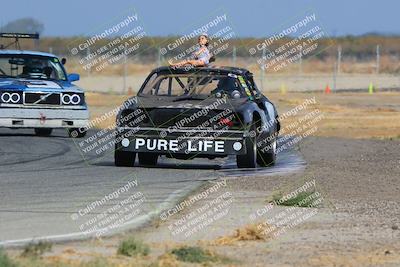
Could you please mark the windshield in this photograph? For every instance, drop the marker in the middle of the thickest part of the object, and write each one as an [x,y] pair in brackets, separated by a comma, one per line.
[28,66]
[201,85]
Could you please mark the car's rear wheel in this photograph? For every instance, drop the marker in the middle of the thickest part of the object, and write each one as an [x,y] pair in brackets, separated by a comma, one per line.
[124,158]
[76,133]
[148,159]
[266,156]
[43,131]
[249,160]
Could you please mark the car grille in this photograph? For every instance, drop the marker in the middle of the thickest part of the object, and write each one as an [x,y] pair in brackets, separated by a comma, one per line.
[42,98]
[180,118]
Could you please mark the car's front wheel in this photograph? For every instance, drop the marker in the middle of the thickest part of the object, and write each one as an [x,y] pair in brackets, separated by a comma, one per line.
[266,156]
[43,131]
[124,158]
[249,160]
[148,159]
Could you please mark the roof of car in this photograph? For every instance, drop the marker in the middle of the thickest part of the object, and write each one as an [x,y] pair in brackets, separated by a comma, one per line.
[220,69]
[25,52]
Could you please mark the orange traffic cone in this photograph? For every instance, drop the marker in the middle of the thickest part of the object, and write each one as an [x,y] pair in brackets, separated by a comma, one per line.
[327,89]
[130,91]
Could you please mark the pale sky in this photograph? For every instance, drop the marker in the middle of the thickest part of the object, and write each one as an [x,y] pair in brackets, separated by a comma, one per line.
[250,18]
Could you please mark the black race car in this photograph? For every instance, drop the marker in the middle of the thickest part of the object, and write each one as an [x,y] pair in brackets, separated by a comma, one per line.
[198,112]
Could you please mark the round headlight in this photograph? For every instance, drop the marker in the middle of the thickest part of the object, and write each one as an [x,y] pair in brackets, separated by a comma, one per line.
[75,99]
[15,98]
[66,99]
[5,97]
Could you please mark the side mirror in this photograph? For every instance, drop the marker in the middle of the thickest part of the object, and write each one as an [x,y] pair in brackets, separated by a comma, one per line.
[73,77]
[63,60]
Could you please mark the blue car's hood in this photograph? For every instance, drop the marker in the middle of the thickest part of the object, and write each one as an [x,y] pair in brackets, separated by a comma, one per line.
[38,85]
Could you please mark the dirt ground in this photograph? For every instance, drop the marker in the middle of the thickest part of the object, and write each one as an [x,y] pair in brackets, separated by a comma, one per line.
[353,157]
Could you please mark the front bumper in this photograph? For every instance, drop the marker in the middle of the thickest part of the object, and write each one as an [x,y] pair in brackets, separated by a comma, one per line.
[183,141]
[43,118]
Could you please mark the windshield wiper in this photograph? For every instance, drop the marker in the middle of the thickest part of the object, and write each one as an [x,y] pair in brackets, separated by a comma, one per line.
[188,97]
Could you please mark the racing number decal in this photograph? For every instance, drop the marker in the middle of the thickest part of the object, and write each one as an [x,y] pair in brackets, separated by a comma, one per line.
[246,88]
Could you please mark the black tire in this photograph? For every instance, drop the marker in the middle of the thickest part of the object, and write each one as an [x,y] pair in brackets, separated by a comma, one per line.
[124,158]
[43,131]
[148,159]
[249,160]
[266,155]
[76,133]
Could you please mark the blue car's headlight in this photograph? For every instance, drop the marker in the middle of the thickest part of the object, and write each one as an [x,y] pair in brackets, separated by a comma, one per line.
[72,99]
[10,97]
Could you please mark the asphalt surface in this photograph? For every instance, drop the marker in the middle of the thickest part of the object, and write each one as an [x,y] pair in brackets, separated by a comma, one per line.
[47,185]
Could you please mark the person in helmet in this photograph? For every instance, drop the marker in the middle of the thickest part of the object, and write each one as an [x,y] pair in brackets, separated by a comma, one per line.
[226,85]
[200,57]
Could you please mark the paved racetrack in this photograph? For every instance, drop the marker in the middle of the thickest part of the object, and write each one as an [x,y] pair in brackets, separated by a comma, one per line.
[45,184]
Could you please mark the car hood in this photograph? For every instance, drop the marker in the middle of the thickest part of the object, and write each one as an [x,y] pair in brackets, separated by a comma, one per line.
[38,85]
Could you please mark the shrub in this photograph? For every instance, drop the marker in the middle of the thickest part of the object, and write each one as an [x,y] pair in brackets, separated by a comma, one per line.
[132,247]
[5,261]
[36,249]
[193,254]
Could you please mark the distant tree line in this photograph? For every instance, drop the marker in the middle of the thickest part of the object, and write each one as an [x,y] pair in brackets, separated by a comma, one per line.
[23,25]
[357,47]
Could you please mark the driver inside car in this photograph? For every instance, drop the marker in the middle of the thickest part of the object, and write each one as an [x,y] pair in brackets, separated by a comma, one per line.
[47,71]
[31,70]
[226,86]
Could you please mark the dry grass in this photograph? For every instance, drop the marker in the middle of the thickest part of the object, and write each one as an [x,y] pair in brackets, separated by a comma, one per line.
[349,115]
[100,104]
[251,232]
[166,260]
[73,66]
[196,257]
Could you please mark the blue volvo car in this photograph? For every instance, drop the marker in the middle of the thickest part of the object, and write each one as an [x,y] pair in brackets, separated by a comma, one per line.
[37,93]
